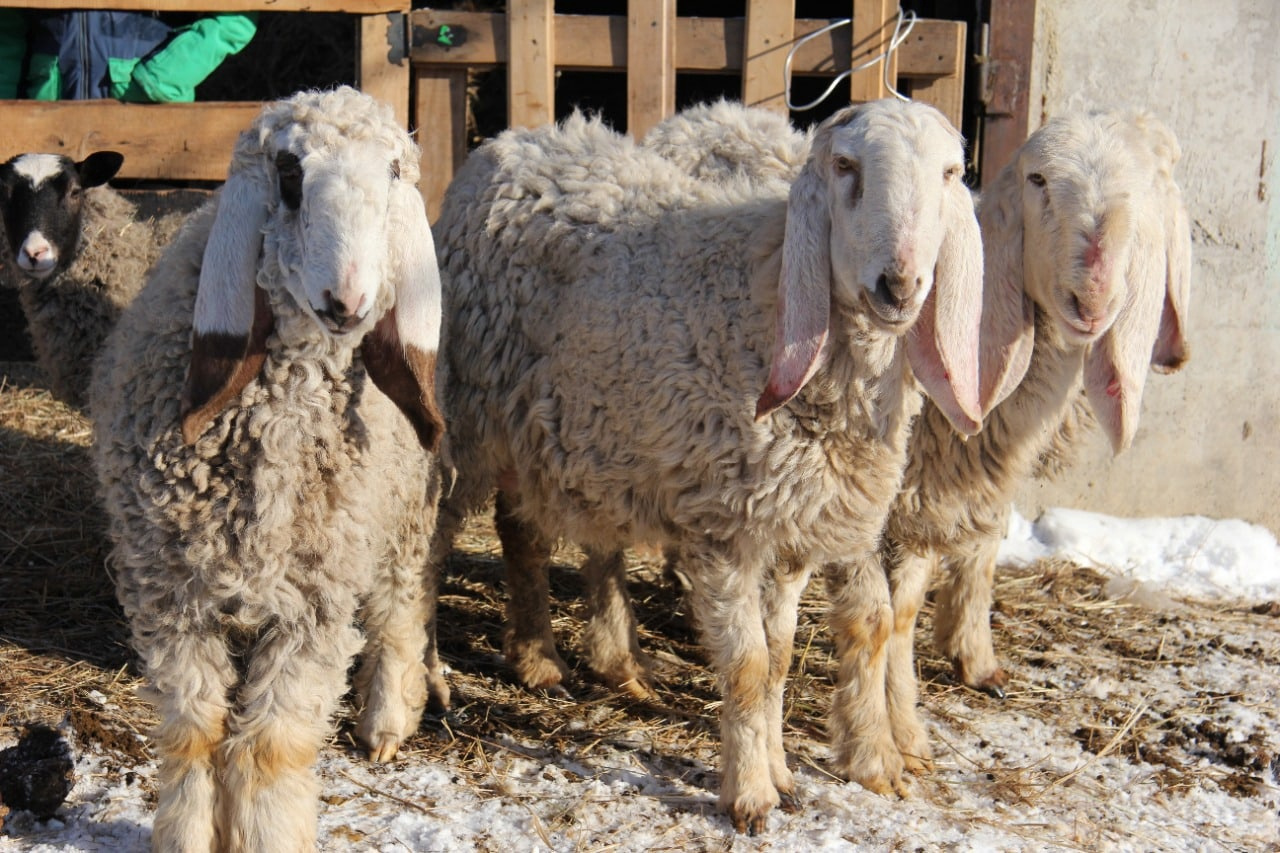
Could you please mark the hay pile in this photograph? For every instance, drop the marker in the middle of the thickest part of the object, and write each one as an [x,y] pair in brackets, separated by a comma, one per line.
[1123,676]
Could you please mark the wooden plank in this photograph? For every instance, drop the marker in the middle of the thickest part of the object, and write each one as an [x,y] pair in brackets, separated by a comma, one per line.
[651,61]
[531,91]
[708,45]
[355,7]
[1006,90]
[766,41]
[441,109]
[383,62]
[872,27]
[158,141]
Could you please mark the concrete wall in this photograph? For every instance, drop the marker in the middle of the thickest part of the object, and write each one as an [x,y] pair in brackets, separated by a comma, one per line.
[1209,439]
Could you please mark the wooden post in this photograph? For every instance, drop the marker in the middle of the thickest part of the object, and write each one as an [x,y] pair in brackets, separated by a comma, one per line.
[769,31]
[1007,74]
[440,108]
[946,92]
[383,63]
[651,63]
[873,22]
[531,70]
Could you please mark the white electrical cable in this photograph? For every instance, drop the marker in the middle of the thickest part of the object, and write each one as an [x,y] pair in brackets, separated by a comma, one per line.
[899,36]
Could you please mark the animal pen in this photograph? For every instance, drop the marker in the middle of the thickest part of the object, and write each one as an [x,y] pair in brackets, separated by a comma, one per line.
[421,60]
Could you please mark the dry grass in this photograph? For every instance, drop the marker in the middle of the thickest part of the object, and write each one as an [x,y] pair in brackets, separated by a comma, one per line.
[1081,660]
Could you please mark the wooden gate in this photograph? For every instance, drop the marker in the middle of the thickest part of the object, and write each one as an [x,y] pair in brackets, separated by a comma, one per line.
[651,44]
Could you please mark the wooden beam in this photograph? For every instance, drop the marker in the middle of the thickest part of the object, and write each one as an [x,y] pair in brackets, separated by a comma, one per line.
[383,61]
[1006,90]
[873,22]
[767,39]
[651,63]
[354,7]
[531,83]
[707,45]
[158,141]
[441,108]
[945,93]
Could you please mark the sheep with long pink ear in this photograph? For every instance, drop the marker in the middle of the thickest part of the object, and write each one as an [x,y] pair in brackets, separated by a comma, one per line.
[265,434]
[726,368]
[1087,284]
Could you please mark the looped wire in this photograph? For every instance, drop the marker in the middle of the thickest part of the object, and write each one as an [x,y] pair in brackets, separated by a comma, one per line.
[899,36]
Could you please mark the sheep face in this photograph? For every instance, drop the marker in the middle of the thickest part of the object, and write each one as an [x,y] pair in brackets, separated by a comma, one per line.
[320,206]
[880,222]
[889,177]
[333,242]
[43,200]
[1079,193]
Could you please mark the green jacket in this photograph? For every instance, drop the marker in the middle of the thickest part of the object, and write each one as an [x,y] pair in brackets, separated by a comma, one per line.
[130,56]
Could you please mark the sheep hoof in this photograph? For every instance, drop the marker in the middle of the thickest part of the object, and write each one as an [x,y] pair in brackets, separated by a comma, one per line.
[993,683]
[749,821]
[788,802]
[384,749]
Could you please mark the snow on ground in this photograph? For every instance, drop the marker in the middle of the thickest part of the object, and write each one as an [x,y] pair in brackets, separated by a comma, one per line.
[1004,779]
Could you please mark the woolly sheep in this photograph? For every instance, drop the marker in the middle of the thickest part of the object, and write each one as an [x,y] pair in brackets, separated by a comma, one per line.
[265,456]
[1087,283]
[610,323]
[79,256]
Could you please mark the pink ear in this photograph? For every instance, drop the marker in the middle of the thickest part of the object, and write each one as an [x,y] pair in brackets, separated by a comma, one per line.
[1008,314]
[221,365]
[1171,350]
[1115,368]
[942,345]
[804,290]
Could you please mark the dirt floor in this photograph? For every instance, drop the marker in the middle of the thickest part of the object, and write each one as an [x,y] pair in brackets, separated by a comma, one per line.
[1122,676]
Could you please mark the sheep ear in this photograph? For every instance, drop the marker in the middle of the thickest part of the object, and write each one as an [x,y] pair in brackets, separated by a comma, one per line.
[1171,350]
[942,345]
[99,167]
[804,288]
[1115,369]
[400,352]
[232,314]
[1008,314]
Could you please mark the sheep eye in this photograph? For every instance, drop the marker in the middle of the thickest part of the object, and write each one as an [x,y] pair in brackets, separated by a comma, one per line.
[289,168]
[395,169]
[845,166]
[950,173]
[1036,179]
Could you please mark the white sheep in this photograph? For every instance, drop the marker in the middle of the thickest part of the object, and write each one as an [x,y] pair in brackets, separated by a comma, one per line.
[80,253]
[1088,261]
[608,368]
[264,421]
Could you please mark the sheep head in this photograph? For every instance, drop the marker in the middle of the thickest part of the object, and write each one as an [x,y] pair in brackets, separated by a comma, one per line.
[42,196]
[879,219]
[1087,223]
[320,204]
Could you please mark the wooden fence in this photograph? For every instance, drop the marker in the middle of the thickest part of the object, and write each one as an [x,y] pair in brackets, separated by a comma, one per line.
[193,141]
[651,44]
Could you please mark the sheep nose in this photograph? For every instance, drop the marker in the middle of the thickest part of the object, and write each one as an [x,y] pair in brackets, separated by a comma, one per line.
[896,288]
[341,311]
[1092,310]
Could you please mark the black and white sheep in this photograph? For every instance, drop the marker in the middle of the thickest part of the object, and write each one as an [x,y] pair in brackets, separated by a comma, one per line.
[636,355]
[265,424]
[79,254]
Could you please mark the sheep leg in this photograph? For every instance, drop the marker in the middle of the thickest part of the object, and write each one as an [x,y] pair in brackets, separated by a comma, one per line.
[962,620]
[781,607]
[294,681]
[909,578]
[391,682]
[610,640]
[861,620]
[529,645]
[190,675]
[727,606]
